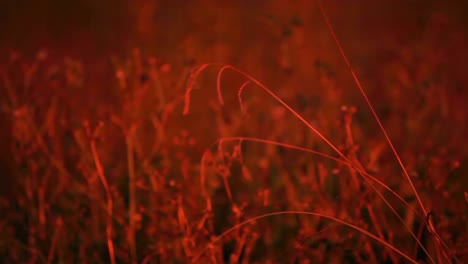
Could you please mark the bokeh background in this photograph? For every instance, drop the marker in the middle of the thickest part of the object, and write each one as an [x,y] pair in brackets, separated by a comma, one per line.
[164,28]
[63,63]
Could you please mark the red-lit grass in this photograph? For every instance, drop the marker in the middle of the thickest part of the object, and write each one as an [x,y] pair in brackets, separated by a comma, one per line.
[138,192]
[343,159]
[354,164]
[93,134]
[254,219]
[442,246]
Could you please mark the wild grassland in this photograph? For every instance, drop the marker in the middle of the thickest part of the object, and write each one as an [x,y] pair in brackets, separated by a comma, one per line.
[165,163]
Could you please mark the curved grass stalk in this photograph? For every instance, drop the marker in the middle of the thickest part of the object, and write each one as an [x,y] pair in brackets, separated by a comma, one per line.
[429,224]
[362,173]
[102,177]
[365,175]
[323,155]
[376,117]
[251,79]
[253,219]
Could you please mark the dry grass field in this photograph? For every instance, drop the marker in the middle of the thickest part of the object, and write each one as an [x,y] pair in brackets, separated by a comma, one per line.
[238,132]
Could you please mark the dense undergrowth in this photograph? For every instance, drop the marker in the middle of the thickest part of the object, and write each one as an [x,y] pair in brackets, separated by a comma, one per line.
[161,163]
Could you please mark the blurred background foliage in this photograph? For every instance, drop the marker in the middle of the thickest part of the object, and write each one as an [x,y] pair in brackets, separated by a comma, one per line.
[74,61]
[280,43]
[97,27]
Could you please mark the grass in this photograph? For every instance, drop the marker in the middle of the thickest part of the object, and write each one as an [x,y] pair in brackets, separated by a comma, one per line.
[159,168]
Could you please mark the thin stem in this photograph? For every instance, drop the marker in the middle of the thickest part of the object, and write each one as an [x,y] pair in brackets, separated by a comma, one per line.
[102,177]
[132,194]
[361,89]
[253,219]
